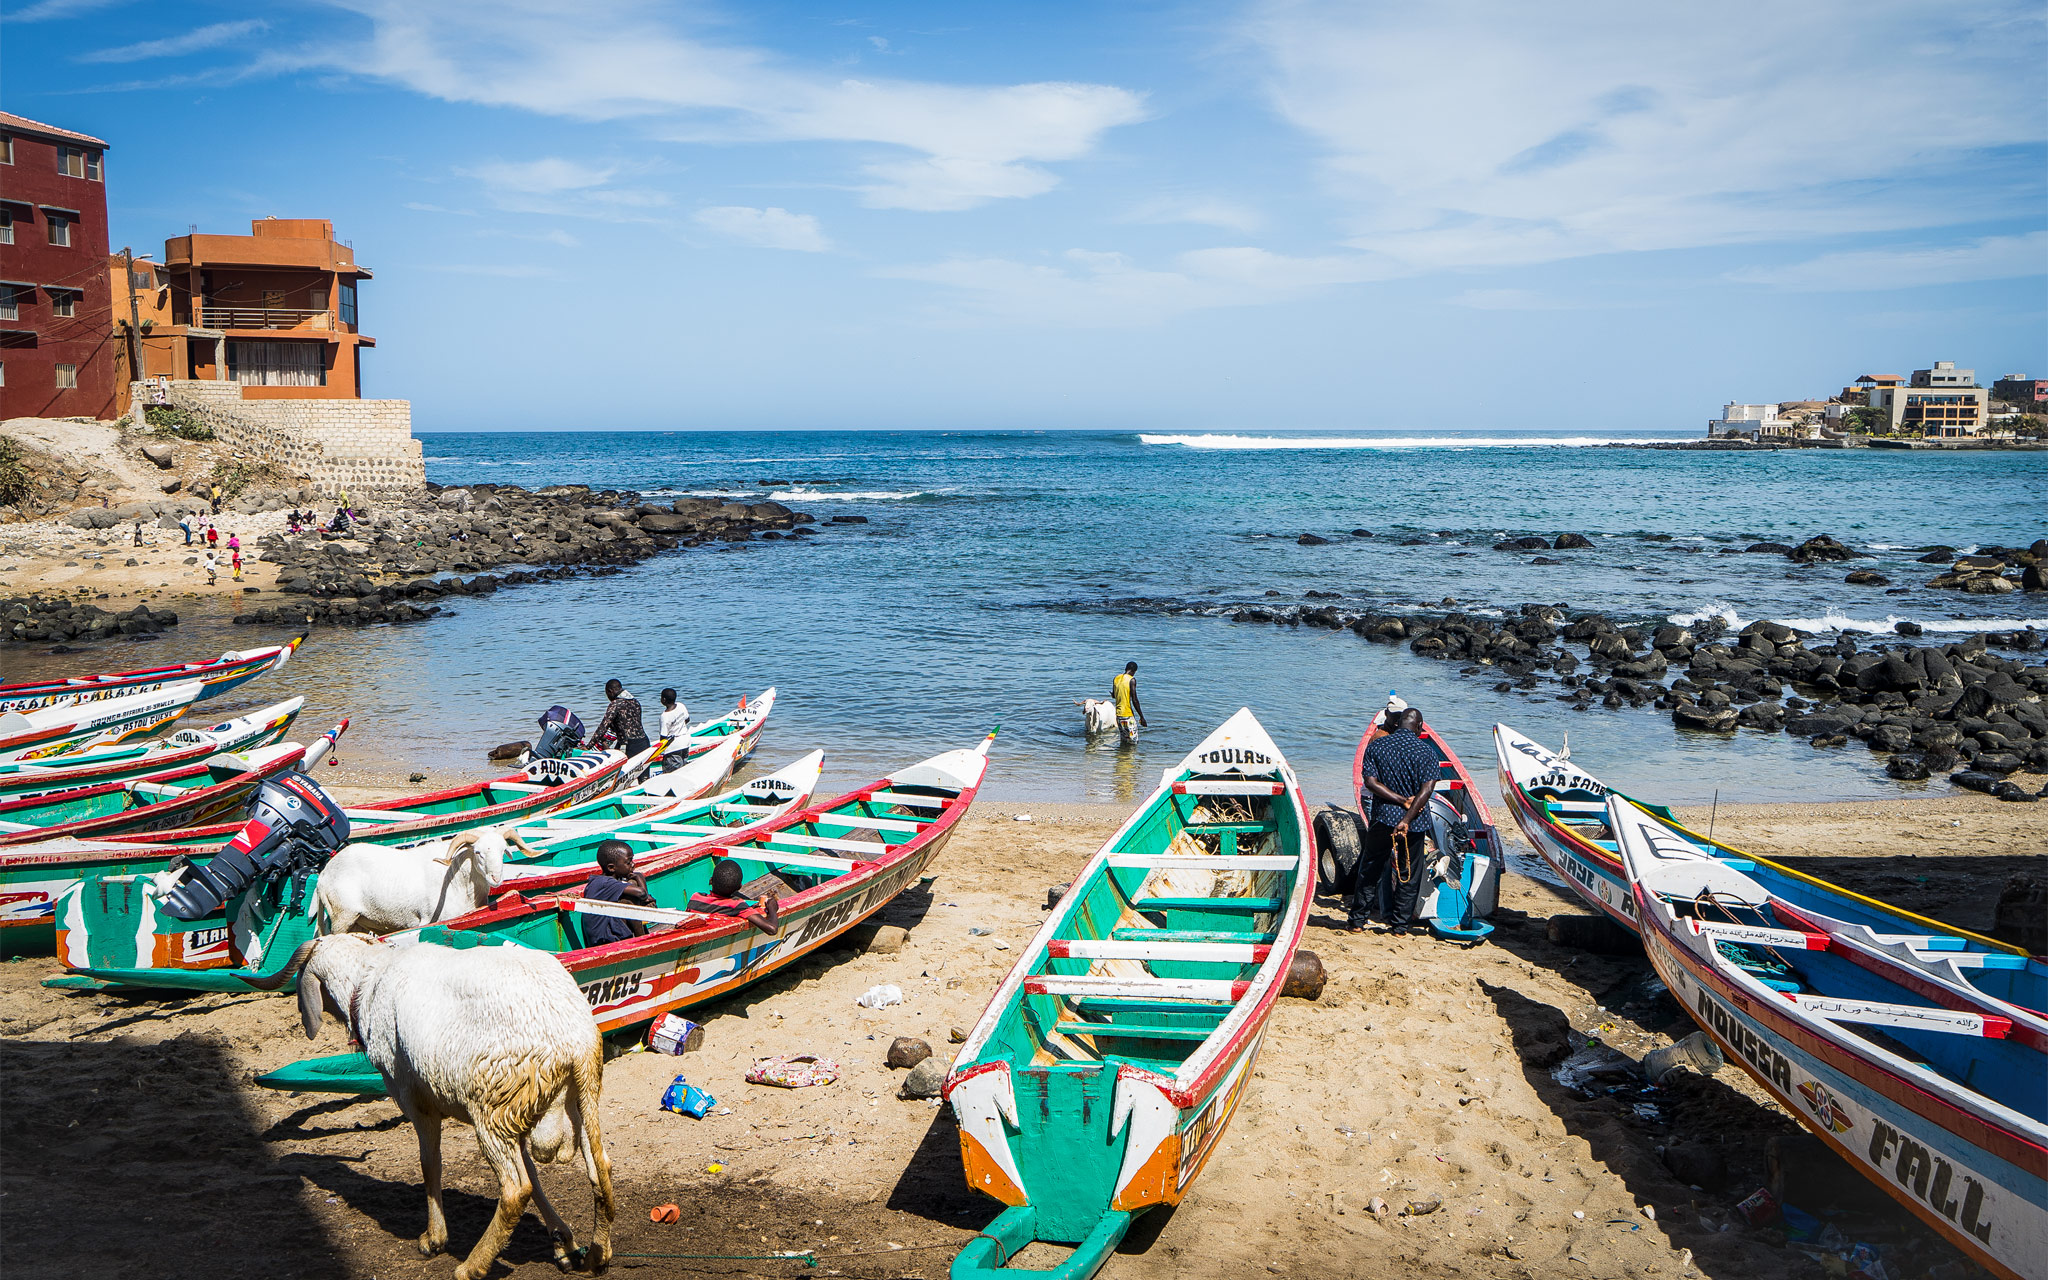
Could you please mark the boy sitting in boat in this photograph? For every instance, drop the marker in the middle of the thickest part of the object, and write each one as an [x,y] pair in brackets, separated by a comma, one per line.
[615,881]
[725,900]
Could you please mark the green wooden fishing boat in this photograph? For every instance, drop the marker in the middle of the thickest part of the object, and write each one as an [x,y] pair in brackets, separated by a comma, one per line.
[113,932]
[840,862]
[121,762]
[34,877]
[1098,1082]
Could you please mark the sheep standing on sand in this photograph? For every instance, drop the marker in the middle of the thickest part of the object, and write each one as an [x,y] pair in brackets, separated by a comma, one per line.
[375,888]
[496,1036]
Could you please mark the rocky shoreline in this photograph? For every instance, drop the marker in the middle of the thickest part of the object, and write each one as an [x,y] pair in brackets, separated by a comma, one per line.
[1928,708]
[395,559]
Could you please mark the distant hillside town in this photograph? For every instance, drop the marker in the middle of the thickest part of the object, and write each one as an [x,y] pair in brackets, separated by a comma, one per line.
[1942,404]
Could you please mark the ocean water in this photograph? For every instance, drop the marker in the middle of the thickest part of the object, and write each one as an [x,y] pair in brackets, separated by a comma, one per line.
[994,580]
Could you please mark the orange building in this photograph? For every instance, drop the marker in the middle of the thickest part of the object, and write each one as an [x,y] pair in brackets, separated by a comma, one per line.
[274,311]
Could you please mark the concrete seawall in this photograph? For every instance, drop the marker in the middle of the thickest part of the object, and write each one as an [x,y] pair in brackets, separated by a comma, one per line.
[360,445]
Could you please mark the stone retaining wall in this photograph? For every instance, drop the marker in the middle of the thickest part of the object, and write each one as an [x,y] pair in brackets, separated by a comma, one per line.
[362,445]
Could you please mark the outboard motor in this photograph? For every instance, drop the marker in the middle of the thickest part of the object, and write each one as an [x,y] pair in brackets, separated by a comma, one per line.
[560,733]
[293,829]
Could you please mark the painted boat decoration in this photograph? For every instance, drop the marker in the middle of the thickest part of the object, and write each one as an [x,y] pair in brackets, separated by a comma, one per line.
[163,801]
[112,931]
[231,669]
[50,733]
[744,721]
[1099,1080]
[537,788]
[34,876]
[120,762]
[1563,811]
[844,859]
[1462,886]
[1933,1090]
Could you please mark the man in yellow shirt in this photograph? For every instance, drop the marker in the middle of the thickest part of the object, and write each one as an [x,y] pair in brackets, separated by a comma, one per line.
[1130,713]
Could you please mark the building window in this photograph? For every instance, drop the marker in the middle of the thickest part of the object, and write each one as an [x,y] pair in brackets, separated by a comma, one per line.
[278,364]
[63,302]
[10,303]
[73,162]
[6,148]
[348,303]
[6,225]
[60,228]
[67,377]
[92,165]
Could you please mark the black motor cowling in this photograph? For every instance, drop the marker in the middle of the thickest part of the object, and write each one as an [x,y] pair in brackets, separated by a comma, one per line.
[560,733]
[293,826]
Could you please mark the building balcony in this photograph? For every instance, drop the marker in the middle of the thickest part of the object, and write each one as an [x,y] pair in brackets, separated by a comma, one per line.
[231,315]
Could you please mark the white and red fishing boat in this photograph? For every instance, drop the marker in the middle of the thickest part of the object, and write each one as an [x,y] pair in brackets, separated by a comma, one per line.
[1878,1043]
[215,677]
[120,761]
[1098,1082]
[72,728]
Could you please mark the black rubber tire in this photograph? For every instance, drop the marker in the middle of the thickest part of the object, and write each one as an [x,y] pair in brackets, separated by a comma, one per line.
[1340,841]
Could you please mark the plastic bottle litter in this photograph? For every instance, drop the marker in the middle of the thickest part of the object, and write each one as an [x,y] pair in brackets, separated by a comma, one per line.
[881,997]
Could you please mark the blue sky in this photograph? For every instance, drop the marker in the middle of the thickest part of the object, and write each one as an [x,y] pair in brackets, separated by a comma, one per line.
[1141,215]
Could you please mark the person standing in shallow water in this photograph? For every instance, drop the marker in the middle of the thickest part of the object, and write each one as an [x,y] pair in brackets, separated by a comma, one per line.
[1130,712]
[1400,775]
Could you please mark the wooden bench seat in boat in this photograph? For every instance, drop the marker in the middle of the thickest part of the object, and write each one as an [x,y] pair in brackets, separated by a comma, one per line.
[1206,861]
[1117,949]
[1257,937]
[1216,989]
[1248,906]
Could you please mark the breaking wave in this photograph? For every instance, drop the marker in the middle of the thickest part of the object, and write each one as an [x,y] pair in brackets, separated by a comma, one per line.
[1394,442]
[1839,622]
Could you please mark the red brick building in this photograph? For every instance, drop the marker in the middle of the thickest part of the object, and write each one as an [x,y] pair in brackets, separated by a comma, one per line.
[56,312]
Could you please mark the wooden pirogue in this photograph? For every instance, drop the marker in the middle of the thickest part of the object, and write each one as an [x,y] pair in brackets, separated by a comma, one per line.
[1099,1080]
[215,676]
[843,859]
[1881,1043]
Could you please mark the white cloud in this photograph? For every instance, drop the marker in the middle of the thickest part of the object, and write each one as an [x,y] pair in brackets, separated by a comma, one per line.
[1502,300]
[766,228]
[57,10]
[548,176]
[208,37]
[1480,132]
[1082,287]
[1208,211]
[1991,258]
[970,144]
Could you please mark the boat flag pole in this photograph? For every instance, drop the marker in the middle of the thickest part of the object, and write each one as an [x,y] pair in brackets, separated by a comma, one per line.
[1713,813]
[989,741]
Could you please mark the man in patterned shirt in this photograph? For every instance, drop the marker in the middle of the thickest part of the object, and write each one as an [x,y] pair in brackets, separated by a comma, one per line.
[1401,771]
[621,722]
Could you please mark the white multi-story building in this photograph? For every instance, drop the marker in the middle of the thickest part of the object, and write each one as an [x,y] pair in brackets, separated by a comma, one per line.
[1752,420]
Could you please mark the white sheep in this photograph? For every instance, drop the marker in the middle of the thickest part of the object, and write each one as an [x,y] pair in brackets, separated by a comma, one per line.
[498,1037]
[379,889]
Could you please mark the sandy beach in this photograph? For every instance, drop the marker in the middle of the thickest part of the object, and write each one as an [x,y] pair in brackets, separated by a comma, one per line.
[1424,1073]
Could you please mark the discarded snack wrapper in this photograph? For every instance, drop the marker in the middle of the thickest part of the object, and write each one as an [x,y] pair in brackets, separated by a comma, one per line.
[671,1033]
[686,1099]
[793,1071]
[1760,1209]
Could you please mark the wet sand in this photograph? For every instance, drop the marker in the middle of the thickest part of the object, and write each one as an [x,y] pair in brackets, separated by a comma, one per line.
[136,1143]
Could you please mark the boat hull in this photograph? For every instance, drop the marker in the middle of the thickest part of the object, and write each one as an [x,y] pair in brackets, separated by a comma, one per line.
[229,671]
[1979,1187]
[22,782]
[111,930]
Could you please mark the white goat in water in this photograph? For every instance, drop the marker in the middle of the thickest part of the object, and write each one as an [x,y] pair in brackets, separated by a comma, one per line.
[379,889]
[1099,713]
[496,1036]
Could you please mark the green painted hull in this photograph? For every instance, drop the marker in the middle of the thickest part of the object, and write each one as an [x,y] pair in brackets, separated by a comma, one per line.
[1099,1082]
[107,919]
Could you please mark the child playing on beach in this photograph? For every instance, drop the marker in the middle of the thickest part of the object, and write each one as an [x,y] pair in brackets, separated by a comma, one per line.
[212,536]
[211,560]
[237,554]
[725,900]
